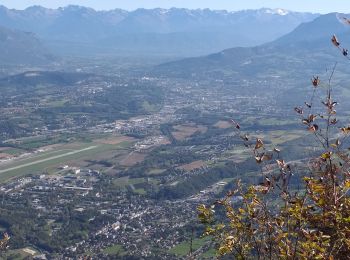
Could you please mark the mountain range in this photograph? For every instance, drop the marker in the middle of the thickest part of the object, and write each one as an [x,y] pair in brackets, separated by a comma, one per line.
[177,32]
[307,46]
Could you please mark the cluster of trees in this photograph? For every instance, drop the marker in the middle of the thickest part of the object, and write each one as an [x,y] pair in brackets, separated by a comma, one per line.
[27,226]
[162,158]
[197,182]
[55,100]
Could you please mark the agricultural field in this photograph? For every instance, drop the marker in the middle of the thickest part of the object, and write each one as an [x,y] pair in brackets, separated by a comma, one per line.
[154,172]
[192,166]
[19,254]
[183,249]
[132,159]
[223,124]
[133,184]
[278,137]
[238,155]
[187,130]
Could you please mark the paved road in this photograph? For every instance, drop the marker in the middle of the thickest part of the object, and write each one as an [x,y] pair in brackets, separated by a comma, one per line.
[47,159]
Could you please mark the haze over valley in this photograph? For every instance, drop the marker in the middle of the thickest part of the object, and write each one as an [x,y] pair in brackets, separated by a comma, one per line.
[115,125]
[176,32]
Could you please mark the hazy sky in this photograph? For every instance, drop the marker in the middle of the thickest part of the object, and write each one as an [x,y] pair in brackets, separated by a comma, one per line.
[322,6]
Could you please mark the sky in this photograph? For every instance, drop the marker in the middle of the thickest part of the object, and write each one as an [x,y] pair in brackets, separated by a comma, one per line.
[316,6]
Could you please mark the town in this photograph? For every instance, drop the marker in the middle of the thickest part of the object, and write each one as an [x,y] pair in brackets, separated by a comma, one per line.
[115,164]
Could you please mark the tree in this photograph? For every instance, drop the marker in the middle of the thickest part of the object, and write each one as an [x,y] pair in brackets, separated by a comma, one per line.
[275,220]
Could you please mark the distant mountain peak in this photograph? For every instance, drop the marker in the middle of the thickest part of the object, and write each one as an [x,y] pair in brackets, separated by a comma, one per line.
[77,8]
[35,8]
[309,43]
[277,11]
[175,31]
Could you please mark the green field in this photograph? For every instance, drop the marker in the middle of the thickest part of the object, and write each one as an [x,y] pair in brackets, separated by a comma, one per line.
[48,161]
[156,171]
[19,254]
[124,182]
[183,248]
[115,250]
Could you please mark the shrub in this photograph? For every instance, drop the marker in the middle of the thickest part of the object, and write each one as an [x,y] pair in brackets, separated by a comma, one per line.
[274,220]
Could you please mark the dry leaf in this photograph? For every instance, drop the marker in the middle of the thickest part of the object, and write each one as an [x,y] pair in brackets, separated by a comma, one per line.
[335,41]
[259,144]
[315,81]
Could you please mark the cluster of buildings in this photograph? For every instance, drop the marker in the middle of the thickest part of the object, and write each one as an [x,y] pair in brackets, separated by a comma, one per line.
[69,178]
[142,228]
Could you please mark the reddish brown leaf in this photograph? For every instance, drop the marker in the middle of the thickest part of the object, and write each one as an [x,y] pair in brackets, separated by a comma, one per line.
[306,121]
[267,157]
[345,130]
[335,41]
[312,118]
[281,163]
[259,143]
[313,128]
[258,159]
[315,81]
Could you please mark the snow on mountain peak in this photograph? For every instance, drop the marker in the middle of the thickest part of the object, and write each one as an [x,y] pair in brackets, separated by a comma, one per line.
[277,11]
[281,11]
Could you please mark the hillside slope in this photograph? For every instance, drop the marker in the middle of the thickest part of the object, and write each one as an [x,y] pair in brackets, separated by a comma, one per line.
[308,46]
[17,47]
